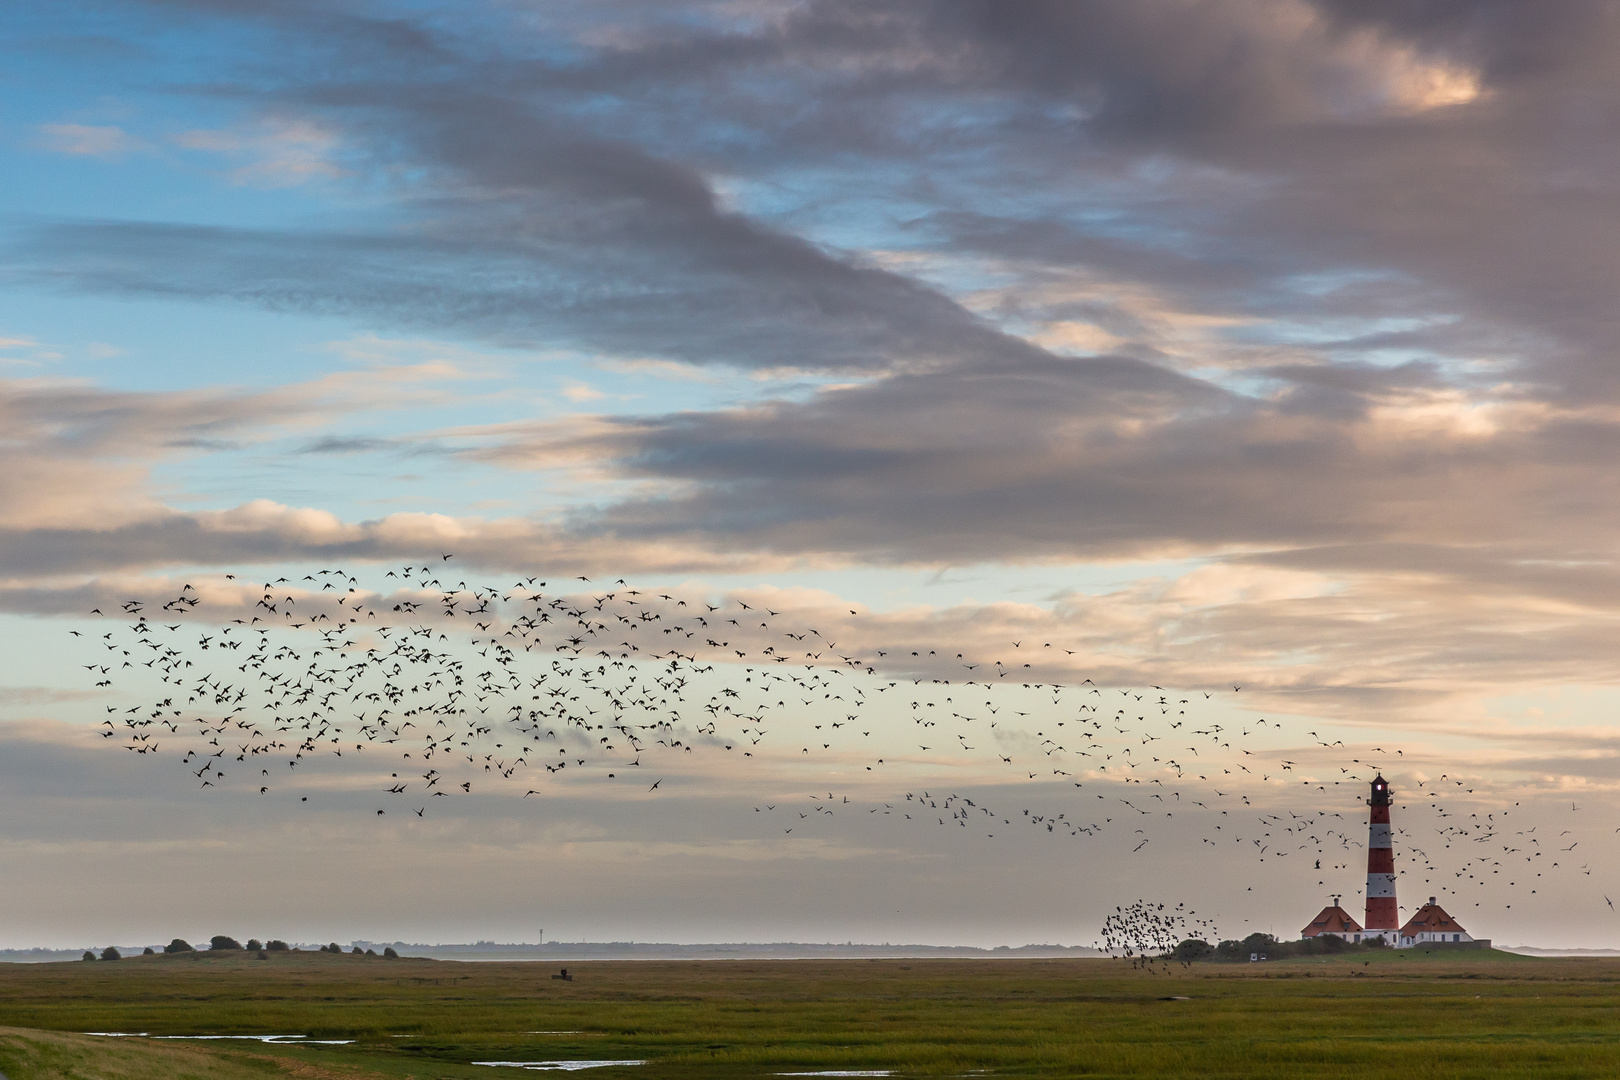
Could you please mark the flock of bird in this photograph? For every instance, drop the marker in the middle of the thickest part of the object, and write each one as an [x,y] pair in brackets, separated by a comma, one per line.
[445,689]
[1147,933]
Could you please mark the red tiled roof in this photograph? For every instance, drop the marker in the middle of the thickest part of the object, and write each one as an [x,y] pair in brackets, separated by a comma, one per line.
[1333,920]
[1431,919]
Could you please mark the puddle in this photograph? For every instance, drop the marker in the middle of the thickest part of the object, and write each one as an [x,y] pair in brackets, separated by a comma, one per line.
[566,1066]
[301,1040]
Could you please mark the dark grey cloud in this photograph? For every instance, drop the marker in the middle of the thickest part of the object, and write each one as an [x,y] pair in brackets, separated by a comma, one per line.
[1100,458]
[702,289]
[562,189]
[338,444]
[567,201]
[535,232]
[1402,213]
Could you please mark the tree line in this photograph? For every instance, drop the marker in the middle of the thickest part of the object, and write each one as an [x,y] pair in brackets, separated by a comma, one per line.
[1265,947]
[224,943]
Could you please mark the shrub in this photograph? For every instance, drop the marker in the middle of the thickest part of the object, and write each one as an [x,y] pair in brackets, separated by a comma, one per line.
[275,945]
[263,955]
[221,943]
[149,951]
[253,945]
[334,947]
[110,953]
[178,945]
[371,952]
[1272,949]
[88,955]
[358,951]
[1193,949]
[390,953]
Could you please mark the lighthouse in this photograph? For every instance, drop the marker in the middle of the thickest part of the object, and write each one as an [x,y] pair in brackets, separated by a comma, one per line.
[1429,928]
[1381,910]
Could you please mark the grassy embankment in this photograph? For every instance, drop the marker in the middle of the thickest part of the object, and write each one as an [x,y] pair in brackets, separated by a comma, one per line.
[1375,1014]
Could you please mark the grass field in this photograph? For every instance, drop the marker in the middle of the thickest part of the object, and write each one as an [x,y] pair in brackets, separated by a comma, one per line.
[1387,1014]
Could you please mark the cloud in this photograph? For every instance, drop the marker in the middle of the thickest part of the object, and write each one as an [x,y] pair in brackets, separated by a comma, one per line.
[578,391]
[276,152]
[1256,149]
[262,531]
[335,444]
[74,456]
[85,140]
[1091,458]
[1316,295]
[33,354]
[1376,602]
[30,696]
[1243,164]
[548,270]
[77,456]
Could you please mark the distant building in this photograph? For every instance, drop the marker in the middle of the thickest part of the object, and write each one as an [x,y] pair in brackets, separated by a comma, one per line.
[1334,921]
[1431,924]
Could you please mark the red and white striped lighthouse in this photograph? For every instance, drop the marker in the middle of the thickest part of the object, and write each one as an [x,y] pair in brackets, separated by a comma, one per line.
[1381,910]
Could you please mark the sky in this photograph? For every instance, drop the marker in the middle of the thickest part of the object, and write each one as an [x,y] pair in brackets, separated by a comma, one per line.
[1256,354]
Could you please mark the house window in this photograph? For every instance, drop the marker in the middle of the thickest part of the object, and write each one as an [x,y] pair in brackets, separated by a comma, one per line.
[1456,937]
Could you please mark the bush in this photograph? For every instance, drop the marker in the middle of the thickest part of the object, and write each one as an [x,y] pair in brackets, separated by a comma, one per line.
[110,953]
[178,945]
[275,945]
[221,943]
[263,955]
[253,945]
[1374,942]
[371,952]
[358,951]
[88,955]
[149,951]
[1267,946]
[334,947]
[390,953]
[1193,949]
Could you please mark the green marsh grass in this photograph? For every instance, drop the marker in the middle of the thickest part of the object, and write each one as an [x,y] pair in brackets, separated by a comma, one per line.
[1364,1015]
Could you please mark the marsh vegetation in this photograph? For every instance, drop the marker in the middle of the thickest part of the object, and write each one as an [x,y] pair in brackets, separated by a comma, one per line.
[1366,1014]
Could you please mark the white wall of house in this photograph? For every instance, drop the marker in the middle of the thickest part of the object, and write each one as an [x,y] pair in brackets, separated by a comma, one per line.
[1431,936]
[1357,936]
